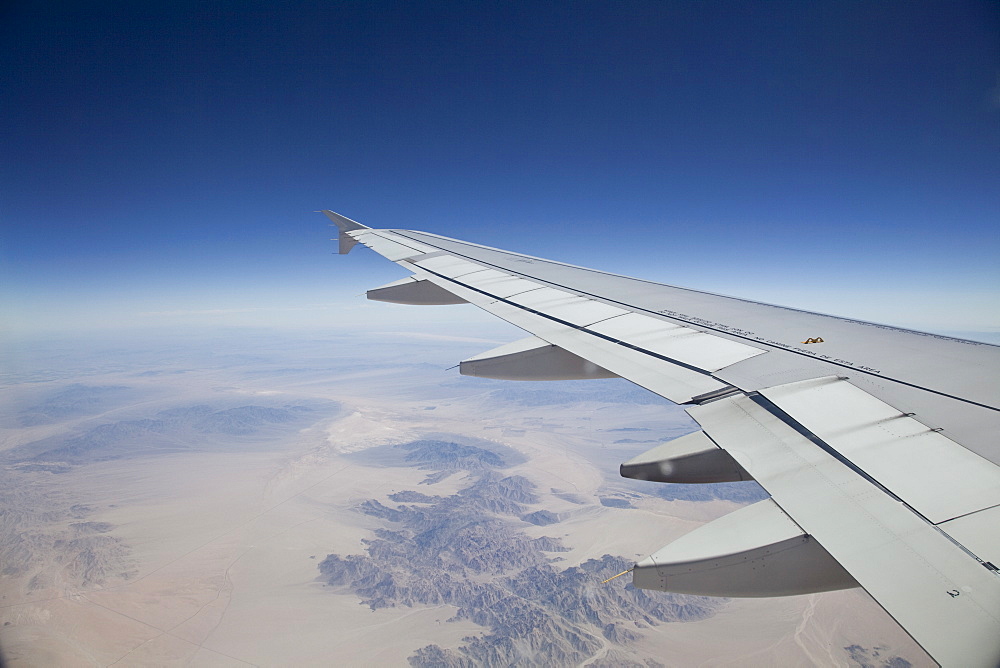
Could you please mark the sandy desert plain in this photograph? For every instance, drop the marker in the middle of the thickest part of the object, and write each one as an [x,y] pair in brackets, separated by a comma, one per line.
[276,499]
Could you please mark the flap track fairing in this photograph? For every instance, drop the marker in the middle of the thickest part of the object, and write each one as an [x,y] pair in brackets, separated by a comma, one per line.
[757,551]
[415,291]
[531,359]
[694,458]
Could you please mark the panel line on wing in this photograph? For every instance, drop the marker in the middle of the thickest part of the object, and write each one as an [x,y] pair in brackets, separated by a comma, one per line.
[739,336]
[519,257]
[566,323]
[787,419]
[877,437]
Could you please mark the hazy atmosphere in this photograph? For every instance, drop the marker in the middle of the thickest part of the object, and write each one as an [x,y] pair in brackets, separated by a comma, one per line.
[214,451]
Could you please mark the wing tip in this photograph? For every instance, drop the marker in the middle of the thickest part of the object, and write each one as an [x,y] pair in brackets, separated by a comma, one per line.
[343,222]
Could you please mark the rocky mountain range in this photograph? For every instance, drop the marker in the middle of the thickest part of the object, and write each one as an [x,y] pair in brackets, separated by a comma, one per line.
[471,550]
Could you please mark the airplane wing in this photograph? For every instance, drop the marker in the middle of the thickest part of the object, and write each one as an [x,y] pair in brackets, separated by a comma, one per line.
[878,445]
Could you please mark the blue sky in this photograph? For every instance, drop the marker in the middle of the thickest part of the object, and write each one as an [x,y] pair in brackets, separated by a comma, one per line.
[161,162]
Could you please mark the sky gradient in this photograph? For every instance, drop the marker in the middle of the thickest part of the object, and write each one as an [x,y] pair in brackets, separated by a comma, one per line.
[161,164]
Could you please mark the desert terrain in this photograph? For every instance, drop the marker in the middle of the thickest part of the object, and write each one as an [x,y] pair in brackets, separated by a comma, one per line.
[253,498]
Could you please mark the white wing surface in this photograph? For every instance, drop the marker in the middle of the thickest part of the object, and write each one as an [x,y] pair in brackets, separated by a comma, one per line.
[877,445]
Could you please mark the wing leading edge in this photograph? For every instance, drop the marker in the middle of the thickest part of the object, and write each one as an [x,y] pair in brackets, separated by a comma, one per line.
[876,444]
